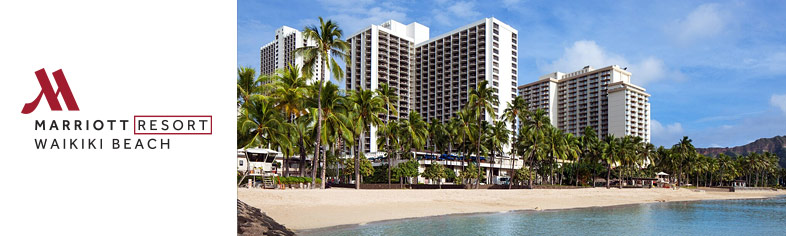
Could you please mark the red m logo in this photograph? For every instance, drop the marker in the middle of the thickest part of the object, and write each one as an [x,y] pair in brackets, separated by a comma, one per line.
[50,94]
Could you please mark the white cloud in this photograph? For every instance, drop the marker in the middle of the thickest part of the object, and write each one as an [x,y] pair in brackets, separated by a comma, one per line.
[664,135]
[584,52]
[779,101]
[449,14]
[705,21]
[353,16]
[464,9]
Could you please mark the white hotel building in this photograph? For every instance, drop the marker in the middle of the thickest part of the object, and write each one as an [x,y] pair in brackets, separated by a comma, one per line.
[604,99]
[449,66]
[385,53]
[278,53]
[434,75]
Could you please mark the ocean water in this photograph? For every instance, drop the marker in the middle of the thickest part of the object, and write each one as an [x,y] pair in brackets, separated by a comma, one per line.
[712,217]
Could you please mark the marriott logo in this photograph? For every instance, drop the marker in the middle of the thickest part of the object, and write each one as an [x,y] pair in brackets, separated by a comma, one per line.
[50,94]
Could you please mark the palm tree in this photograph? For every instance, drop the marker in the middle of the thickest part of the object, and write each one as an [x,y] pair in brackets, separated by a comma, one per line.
[724,162]
[248,85]
[368,107]
[482,100]
[553,145]
[684,150]
[498,135]
[263,122]
[301,128]
[328,45]
[388,140]
[589,147]
[515,111]
[528,137]
[436,131]
[572,149]
[463,128]
[414,131]
[388,96]
[611,149]
[537,123]
[289,91]
[712,167]
[334,119]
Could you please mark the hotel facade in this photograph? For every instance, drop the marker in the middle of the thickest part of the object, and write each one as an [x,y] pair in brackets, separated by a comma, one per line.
[280,52]
[385,53]
[604,99]
[434,76]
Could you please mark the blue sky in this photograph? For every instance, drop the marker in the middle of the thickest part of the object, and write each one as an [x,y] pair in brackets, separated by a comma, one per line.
[716,70]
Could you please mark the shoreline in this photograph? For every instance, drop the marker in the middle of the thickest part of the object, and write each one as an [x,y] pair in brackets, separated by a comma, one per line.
[310,210]
[347,226]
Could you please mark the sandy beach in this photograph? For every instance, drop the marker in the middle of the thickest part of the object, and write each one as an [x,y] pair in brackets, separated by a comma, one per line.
[309,209]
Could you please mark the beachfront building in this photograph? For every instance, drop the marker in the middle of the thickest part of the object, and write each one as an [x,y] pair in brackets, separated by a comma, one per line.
[603,98]
[280,52]
[385,53]
[502,169]
[449,66]
[434,76]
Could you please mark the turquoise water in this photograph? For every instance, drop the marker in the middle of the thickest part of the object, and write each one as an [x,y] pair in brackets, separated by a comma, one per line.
[713,217]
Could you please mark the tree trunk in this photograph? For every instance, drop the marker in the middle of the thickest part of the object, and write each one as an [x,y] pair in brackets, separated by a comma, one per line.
[480,135]
[512,164]
[697,180]
[577,173]
[551,170]
[490,179]
[323,161]
[608,177]
[303,154]
[561,169]
[319,123]
[286,166]
[390,166]
[387,144]
[721,177]
[357,160]
[531,161]
[622,179]
[314,164]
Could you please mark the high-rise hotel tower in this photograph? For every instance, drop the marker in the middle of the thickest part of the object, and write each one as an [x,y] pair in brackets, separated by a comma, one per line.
[603,99]
[385,53]
[278,53]
[434,76]
[449,66]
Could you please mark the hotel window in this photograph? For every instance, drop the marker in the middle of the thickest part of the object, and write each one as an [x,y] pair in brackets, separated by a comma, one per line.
[495,38]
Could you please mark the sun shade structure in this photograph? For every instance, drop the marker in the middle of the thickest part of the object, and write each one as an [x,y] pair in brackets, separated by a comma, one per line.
[661,173]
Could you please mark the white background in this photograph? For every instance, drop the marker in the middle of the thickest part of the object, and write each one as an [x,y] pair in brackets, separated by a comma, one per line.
[121,59]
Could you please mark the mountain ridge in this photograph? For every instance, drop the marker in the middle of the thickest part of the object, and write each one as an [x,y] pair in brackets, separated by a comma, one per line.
[776,145]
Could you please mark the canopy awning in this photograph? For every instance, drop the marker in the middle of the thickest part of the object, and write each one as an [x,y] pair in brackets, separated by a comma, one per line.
[661,173]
